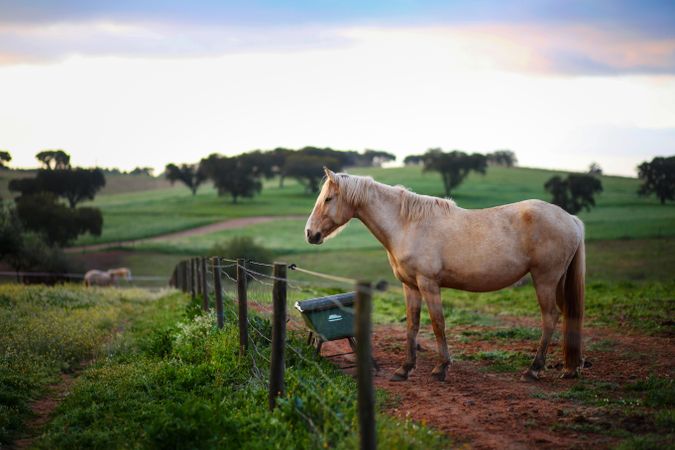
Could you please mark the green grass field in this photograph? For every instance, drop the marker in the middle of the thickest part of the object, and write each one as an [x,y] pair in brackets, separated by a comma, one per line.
[165,377]
[619,214]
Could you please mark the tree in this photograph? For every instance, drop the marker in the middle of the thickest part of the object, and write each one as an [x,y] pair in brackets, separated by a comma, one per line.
[308,169]
[595,169]
[413,160]
[658,178]
[376,158]
[191,175]
[453,166]
[74,185]
[278,157]
[10,231]
[60,225]
[232,176]
[142,171]
[574,193]
[259,163]
[24,186]
[5,157]
[504,158]
[54,159]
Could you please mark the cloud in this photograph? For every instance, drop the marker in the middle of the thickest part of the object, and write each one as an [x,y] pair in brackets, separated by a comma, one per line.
[47,43]
[602,37]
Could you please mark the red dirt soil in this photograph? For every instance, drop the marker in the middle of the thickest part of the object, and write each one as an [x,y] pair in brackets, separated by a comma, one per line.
[496,410]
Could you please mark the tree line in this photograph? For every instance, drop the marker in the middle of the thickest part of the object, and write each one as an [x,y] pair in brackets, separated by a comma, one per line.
[241,176]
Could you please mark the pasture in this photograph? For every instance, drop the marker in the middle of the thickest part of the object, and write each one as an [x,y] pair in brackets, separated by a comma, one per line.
[620,213]
[140,369]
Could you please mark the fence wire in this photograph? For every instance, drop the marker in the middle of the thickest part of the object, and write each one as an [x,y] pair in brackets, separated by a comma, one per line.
[301,284]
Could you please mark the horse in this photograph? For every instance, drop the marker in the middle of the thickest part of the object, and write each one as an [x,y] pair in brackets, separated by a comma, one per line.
[121,272]
[99,278]
[432,243]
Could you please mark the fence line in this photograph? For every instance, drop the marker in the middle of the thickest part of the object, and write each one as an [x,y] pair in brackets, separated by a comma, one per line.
[238,282]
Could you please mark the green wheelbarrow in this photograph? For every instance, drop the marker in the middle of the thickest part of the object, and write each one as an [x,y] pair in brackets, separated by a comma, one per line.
[330,318]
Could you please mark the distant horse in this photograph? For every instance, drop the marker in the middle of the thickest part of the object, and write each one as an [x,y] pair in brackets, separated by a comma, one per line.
[121,273]
[107,278]
[432,243]
[99,278]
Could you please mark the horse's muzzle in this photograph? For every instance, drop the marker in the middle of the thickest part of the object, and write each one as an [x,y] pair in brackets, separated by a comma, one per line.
[314,238]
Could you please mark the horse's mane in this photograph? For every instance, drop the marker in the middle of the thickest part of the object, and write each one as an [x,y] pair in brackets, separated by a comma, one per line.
[355,190]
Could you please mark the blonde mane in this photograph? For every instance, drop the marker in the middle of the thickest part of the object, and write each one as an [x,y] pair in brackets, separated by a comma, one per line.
[355,190]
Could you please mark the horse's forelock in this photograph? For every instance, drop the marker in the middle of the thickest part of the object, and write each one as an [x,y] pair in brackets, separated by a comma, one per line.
[353,188]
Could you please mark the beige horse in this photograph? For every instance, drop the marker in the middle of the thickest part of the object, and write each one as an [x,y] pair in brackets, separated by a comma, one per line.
[108,278]
[432,243]
[121,273]
[99,278]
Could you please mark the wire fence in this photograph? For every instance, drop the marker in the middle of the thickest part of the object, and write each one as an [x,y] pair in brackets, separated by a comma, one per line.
[27,277]
[254,296]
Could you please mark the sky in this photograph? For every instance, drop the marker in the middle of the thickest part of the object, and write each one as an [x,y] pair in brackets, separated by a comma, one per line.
[562,83]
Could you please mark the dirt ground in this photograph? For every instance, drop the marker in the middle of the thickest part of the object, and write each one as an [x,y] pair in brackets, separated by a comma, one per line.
[488,410]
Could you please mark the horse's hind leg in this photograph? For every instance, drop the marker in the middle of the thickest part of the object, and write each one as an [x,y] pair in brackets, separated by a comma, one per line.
[413,301]
[432,294]
[546,295]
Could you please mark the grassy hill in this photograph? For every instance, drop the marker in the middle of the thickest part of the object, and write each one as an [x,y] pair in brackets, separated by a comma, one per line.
[619,214]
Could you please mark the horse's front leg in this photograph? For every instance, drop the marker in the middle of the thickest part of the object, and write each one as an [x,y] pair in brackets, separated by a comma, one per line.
[432,294]
[413,302]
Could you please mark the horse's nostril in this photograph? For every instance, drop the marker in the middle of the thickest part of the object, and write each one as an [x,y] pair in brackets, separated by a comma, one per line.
[317,236]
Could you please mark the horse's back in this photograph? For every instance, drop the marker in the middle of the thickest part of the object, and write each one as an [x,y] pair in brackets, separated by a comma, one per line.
[486,249]
[96,278]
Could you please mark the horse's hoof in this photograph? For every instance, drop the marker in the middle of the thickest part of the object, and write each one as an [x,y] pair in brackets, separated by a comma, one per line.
[438,376]
[398,377]
[529,375]
[570,373]
[439,372]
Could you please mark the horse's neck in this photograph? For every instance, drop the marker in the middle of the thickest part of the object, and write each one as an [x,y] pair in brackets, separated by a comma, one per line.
[381,214]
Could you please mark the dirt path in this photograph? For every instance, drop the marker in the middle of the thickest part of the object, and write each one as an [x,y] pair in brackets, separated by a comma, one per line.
[489,410]
[205,229]
[43,408]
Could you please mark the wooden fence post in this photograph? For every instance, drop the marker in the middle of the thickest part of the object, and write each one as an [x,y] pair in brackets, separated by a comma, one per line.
[364,361]
[184,281]
[277,363]
[218,290]
[205,285]
[193,277]
[188,272]
[242,299]
[198,268]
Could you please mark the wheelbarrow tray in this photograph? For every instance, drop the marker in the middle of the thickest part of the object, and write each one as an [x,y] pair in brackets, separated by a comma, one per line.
[330,317]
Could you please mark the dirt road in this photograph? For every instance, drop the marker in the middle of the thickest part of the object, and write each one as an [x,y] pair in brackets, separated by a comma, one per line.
[211,228]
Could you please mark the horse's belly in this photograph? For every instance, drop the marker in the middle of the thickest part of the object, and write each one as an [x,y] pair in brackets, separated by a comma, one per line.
[483,280]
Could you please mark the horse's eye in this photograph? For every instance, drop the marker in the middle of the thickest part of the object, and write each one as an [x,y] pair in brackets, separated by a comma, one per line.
[328,199]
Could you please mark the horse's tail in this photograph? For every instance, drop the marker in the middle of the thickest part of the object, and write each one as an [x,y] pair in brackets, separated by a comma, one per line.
[573,307]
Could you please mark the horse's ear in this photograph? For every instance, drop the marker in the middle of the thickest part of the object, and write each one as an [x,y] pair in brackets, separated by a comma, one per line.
[329,174]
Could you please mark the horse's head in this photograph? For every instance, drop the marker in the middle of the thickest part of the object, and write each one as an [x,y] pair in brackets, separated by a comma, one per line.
[331,211]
